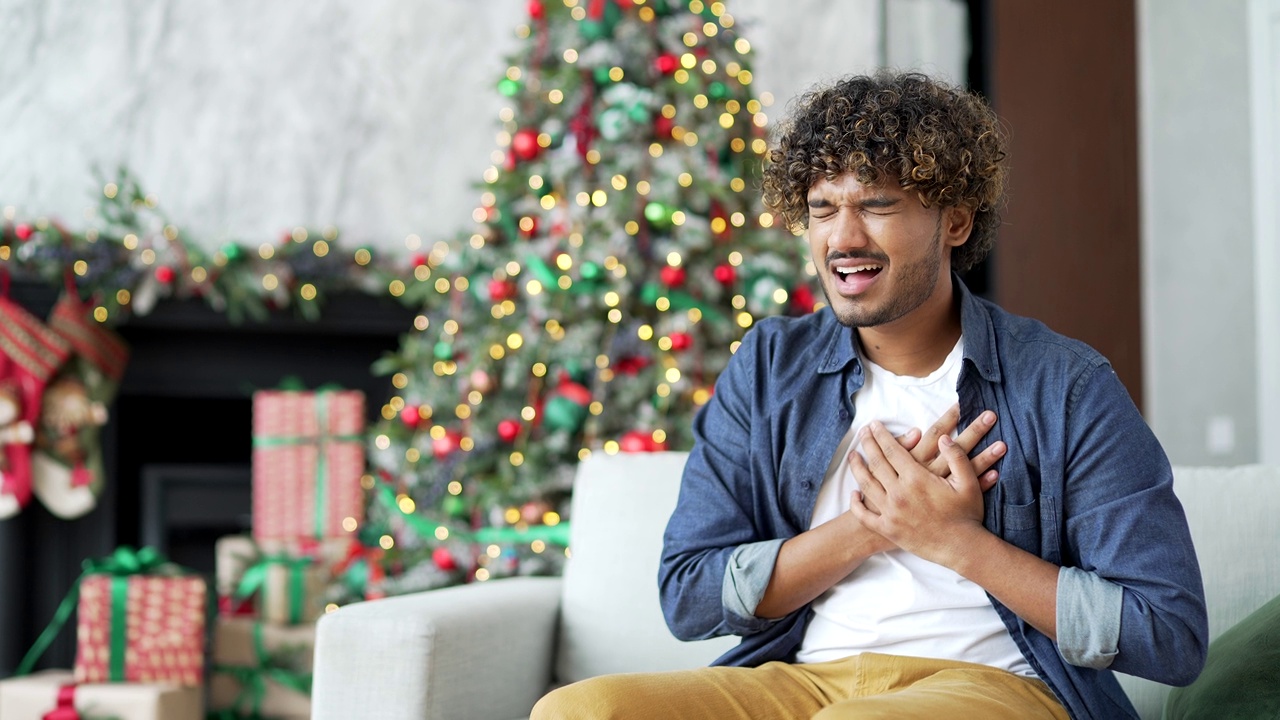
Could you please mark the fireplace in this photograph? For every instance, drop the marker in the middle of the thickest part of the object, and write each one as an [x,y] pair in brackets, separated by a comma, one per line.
[178,444]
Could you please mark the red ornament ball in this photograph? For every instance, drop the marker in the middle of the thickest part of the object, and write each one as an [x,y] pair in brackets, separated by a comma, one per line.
[23,231]
[672,276]
[418,259]
[680,341]
[410,417]
[802,299]
[537,10]
[666,63]
[634,441]
[525,144]
[500,290]
[725,274]
[508,430]
[662,126]
[165,274]
[577,392]
[444,445]
[443,559]
[532,511]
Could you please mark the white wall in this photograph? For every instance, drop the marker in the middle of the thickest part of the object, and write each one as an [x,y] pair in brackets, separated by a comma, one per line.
[1264,41]
[246,118]
[1198,252]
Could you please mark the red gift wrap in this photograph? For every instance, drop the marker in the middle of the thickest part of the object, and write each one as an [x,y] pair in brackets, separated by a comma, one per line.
[308,457]
[141,628]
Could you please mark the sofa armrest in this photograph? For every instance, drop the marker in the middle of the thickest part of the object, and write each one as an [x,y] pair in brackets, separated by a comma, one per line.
[480,652]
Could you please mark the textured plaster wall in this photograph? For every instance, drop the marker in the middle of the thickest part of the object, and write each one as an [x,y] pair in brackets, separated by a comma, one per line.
[245,118]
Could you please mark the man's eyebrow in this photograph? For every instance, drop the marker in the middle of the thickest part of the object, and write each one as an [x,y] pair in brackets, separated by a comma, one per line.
[878,201]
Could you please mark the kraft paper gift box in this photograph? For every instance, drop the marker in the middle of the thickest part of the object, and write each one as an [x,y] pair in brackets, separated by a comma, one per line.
[262,668]
[282,581]
[33,696]
[308,458]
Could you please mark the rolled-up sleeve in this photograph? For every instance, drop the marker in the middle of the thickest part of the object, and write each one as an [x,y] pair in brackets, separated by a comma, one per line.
[1089,610]
[746,578]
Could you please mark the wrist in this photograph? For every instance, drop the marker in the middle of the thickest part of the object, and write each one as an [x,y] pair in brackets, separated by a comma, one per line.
[971,545]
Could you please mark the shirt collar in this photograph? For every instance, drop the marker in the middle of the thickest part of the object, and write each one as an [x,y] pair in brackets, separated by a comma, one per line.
[975,323]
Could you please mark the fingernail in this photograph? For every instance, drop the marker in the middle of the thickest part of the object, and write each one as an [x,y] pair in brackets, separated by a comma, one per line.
[988,418]
[946,440]
[998,447]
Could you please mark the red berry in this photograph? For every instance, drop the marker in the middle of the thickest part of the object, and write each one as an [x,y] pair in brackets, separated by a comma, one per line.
[165,274]
[410,417]
[24,232]
[672,277]
[725,274]
[680,341]
[537,10]
[418,260]
[442,446]
[666,63]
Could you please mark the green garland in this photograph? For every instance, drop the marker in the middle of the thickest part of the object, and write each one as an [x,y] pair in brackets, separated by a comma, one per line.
[136,257]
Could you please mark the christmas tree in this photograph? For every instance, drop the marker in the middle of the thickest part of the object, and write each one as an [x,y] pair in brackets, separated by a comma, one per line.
[621,252]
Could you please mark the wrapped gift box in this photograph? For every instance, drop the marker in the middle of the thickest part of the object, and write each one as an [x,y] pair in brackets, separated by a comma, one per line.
[308,457]
[292,576]
[30,697]
[155,623]
[278,655]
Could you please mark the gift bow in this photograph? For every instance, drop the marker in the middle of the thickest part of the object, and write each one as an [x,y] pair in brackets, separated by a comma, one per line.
[121,564]
[255,580]
[253,680]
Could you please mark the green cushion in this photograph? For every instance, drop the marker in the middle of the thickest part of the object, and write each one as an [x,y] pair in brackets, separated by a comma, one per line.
[1241,677]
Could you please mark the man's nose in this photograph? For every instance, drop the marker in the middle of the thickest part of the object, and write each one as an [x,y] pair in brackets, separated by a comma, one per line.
[848,233]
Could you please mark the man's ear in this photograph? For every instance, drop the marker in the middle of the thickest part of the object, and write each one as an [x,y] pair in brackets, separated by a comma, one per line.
[957,224]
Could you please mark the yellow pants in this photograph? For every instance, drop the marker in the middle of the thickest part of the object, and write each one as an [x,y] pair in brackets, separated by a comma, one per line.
[860,687]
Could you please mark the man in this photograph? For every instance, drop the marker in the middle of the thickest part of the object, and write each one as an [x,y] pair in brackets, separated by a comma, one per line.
[872,573]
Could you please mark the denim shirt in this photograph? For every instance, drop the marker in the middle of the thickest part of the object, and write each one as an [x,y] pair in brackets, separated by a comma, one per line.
[1084,484]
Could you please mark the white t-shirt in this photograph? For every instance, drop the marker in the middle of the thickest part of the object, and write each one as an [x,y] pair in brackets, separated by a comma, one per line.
[896,603]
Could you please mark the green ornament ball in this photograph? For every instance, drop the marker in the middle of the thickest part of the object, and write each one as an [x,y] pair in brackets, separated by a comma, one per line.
[638,114]
[509,87]
[443,350]
[650,293]
[593,30]
[591,272]
[454,506]
[601,75]
[561,413]
[717,90]
[233,252]
[657,214]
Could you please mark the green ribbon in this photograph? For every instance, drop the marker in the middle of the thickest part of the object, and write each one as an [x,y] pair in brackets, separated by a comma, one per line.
[254,580]
[424,528]
[650,293]
[543,273]
[253,680]
[321,440]
[122,564]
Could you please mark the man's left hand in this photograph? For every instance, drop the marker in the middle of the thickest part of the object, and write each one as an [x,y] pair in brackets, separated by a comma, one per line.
[923,513]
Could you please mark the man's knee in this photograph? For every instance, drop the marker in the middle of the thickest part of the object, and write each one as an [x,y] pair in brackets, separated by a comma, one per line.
[598,698]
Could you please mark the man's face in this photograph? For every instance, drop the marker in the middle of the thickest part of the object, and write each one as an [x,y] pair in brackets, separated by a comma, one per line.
[879,252]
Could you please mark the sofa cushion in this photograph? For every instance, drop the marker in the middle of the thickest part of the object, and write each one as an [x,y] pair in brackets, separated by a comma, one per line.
[610,617]
[1241,678]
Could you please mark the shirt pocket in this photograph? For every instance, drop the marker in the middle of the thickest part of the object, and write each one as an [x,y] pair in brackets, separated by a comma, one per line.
[1020,525]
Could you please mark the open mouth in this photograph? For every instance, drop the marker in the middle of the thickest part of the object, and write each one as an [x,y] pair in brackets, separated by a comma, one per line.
[854,278]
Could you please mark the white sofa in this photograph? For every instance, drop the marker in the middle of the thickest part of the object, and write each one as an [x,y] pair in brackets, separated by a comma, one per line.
[488,651]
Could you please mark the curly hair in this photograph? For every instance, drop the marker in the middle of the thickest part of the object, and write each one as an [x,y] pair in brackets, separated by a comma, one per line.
[940,141]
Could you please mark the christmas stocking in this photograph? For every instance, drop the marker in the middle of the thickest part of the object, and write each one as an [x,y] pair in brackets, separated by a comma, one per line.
[29,354]
[66,467]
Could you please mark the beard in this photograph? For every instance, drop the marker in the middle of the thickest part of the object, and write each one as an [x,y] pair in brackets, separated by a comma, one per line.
[914,283]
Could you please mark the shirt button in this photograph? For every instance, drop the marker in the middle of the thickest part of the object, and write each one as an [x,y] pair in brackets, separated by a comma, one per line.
[806,484]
